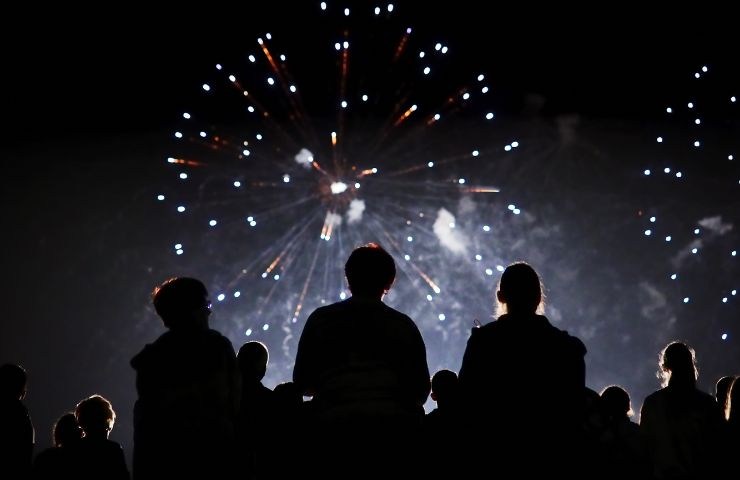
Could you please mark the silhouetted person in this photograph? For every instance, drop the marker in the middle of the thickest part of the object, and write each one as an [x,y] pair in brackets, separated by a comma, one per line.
[96,457]
[365,366]
[16,429]
[256,410]
[721,390]
[683,426]
[56,462]
[188,390]
[732,415]
[623,445]
[445,393]
[442,428]
[522,384]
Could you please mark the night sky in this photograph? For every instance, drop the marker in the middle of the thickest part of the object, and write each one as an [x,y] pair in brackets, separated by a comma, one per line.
[91,101]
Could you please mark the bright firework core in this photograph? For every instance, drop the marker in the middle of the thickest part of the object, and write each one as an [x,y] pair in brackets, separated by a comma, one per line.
[338,187]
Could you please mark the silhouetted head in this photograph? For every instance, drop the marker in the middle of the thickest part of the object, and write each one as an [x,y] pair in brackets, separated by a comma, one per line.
[370,271]
[253,358]
[616,402]
[721,388]
[287,394]
[66,430]
[182,302]
[678,365]
[444,386]
[96,416]
[520,290]
[13,380]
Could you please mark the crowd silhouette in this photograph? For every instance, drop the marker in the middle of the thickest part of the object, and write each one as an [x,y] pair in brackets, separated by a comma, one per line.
[517,406]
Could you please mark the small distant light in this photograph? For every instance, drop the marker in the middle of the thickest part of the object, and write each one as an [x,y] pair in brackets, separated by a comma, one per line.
[429,297]
[218,66]
[237,294]
[221,297]
[344,104]
[276,277]
[514,144]
[377,10]
[652,219]
[438,47]
[345,45]
[489,272]
[246,152]
[441,317]
[264,274]
[669,110]
[178,246]
[690,105]
[668,238]
[293,89]
[500,268]
[202,134]
[475,153]
[659,139]
[444,50]
[364,98]
[648,232]
[489,116]
[186,115]
[694,250]
[250,109]
[484,90]
[179,251]
[696,231]
[248,332]
[667,170]
[408,30]
[342,295]
[461,181]
[212,223]
[252,59]
[270,81]
[171,160]
[206,87]
[286,178]
[269,36]
[507,148]
[252,223]
[184,176]
[697,121]
[437,116]
[733,99]
[421,54]
[357,184]
[237,184]
[511,206]
[466,96]
[346,12]
[178,135]
[407,257]
[160,197]
[409,239]
[180,209]
[734,292]
[724,336]
[734,253]
[704,69]
[479,257]
[430,164]
[337,46]
[250,219]
[516,211]
[685,299]
[486,228]
[679,174]
[696,75]
[374,170]
[674,276]
[232,78]
[323,5]
[697,143]
[724,300]
[265,327]
[452,224]
[646,172]
[390,7]
[427,70]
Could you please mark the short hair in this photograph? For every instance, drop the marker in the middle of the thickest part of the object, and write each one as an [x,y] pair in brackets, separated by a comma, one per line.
[178,296]
[252,359]
[522,289]
[616,401]
[444,384]
[13,380]
[369,270]
[95,413]
[66,430]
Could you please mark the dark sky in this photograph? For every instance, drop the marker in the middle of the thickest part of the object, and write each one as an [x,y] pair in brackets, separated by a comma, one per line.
[89,93]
